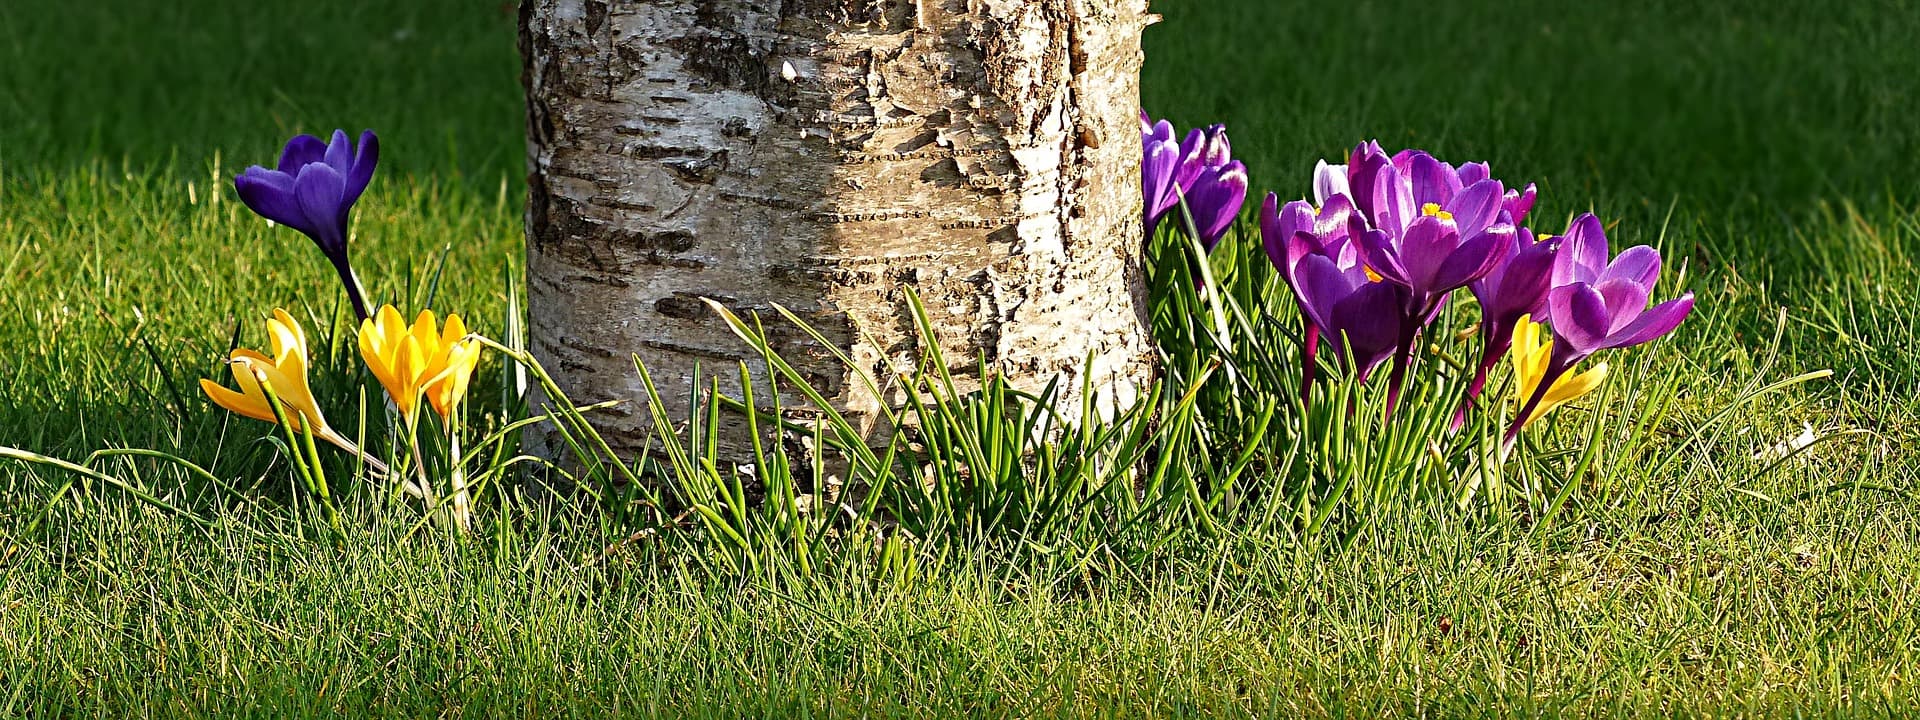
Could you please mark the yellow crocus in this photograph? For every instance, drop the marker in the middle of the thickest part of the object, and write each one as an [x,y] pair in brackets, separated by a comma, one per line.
[419,359]
[285,372]
[1532,350]
[453,363]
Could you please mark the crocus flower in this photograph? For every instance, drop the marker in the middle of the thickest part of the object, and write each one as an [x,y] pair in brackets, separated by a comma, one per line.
[456,358]
[1598,304]
[1326,231]
[285,372]
[1214,200]
[1516,288]
[1428,250]
[1359,314]
[313,190]
[1199,170]
[1532,355]
[421,359]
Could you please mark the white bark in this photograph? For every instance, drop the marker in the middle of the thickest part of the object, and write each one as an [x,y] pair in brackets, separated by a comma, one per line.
[824,155]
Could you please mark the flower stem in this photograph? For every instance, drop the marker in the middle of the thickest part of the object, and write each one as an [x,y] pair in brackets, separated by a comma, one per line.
[1488,359]
[1308,352]
[356,293]
[320,487]
[1547,379]
[1402,360]
[462,504]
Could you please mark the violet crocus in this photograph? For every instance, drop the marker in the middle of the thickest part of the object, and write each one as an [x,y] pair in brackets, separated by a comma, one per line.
[313,190]
[1428,249]
[1199,170]
[1326,228]
[1599,303]
[1513,289]
[1359,315]
[1214,200]
[1158,167]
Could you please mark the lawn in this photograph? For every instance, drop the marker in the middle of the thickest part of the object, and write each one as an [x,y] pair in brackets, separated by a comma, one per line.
[1771,153]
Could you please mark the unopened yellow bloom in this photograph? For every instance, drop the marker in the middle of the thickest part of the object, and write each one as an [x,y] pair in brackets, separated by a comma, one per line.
[285,372]
[421,359]
[453,362]
[1532,350]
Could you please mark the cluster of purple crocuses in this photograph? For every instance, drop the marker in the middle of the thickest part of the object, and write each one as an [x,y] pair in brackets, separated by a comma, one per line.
[1387,239]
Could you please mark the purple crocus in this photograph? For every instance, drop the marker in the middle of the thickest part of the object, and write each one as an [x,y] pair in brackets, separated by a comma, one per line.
[1514,288]
[313,190]
[1360,315]
[1326,231]
[1599,304]
[1214,200]
[1427,236]
[1158,166]
[1200,170]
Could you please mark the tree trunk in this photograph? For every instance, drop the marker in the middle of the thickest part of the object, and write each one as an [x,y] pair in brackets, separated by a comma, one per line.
[825,155]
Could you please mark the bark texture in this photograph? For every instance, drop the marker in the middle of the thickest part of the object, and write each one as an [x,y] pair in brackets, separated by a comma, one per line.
[824,155]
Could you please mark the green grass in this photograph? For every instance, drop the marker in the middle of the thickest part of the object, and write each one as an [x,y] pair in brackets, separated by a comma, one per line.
[1771,152]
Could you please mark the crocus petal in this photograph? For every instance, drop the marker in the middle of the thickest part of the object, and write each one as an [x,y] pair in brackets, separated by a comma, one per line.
[1377,254]
[1218,151]
[1519,204]
[1156,179]
[301,151]
[1162,131]
[293,392]
[1368,322]
[285,336]
[1364,175]
[1655,322]
[365,159]
[269,194]
[1474,258]
[1476,207]
[340,153]
[1639,264]
[1278,224]
[1527,278]
[1320,286]
[1328,181]
[1626,299]
[426,332]
[1331,223]
[1567,389]
[236,403]
[456,329]
[1473,172]
[1583,252]
[319,190]
[1425,247]
[1432,181]
[1579,318]
[1393,201]
[445,391]
[1216,199]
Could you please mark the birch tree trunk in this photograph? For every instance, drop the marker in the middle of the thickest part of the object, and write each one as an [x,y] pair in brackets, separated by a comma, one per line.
[825,155]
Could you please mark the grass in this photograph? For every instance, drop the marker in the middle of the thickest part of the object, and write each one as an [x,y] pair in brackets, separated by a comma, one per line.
[1770,152]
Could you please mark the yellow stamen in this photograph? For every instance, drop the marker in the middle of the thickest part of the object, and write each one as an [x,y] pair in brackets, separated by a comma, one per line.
[1433,210]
